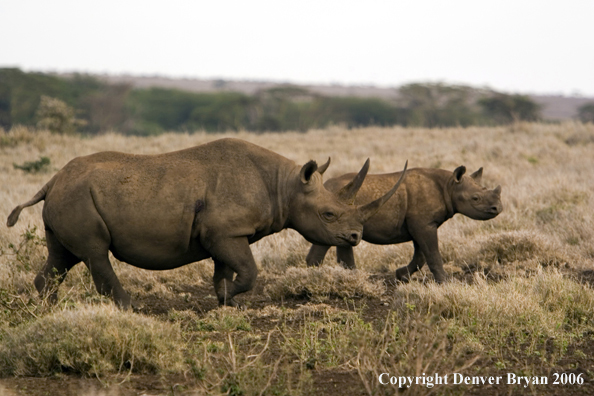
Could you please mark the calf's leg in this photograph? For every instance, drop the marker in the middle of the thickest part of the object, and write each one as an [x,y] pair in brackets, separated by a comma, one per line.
[426,239]
[403,274]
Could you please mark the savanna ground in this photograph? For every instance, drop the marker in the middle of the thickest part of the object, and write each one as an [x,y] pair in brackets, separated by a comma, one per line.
[520,300]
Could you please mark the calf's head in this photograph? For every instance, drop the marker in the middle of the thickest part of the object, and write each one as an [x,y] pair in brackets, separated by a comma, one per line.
[325,218]
[473,200]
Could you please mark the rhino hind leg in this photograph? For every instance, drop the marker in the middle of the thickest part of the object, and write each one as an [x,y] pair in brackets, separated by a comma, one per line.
[426,242]
[87,237]
[60,260]
[346,257]
[106,280]
[403,274]
[233,256]
[316,255]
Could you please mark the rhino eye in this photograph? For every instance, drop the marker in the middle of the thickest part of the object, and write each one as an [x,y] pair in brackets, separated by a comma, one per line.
[476,198]
[329,215]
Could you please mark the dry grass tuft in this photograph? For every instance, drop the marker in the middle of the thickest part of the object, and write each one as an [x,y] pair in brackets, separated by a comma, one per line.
[91,341]
[516,312]
[323,282]
[512,252]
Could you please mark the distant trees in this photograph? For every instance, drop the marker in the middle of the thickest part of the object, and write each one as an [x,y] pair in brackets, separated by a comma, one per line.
[434,105]
[504,109]
[150,111]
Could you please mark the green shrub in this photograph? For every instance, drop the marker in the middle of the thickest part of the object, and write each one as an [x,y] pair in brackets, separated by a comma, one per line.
[57,116]
[41,165]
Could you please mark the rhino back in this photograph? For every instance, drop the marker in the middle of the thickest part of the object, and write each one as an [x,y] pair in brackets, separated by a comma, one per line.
[156,207]
[419,200]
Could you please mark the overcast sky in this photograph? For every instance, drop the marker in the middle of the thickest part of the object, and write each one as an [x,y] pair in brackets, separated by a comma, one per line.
[527,46]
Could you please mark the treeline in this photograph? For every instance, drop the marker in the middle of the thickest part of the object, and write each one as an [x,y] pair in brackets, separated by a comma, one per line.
[86,104]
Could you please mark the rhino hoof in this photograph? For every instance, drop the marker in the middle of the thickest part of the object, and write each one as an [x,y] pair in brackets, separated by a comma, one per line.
[402,275]
[136,307]
[232,303]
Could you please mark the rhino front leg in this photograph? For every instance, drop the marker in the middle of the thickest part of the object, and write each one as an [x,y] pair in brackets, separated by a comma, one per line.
[233,255]
[222,279]
[316,255]
[403,273]
[346,257]
[106,280]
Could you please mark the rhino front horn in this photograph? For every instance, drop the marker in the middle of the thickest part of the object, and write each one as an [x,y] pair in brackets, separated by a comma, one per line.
[368,210]
[347,193]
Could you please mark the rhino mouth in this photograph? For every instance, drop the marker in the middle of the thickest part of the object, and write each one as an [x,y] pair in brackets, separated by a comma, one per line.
[494,210]
[352,239]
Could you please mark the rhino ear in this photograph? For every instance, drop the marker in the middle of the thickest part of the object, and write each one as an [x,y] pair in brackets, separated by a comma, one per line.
[307,171]
[458,173]
[497,190]
[478,175]
[325,166]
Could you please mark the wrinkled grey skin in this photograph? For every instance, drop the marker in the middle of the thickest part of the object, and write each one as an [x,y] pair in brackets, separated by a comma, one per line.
[160,212]
[428,198]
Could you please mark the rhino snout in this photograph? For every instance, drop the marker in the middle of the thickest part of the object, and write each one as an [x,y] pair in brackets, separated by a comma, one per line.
[496,209]
[354,238]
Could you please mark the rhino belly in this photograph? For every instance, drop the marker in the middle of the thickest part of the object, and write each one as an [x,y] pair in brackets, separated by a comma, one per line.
[385,234]
[156,257]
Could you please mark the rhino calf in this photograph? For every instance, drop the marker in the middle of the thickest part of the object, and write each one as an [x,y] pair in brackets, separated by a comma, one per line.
[428,198]
[164,211]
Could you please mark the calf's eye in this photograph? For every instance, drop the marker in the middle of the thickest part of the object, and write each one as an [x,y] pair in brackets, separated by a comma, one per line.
[329,215]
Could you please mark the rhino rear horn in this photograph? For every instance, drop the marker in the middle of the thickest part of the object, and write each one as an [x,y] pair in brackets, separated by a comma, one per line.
[347,193]
[323,167]
[497,190]
[368,210]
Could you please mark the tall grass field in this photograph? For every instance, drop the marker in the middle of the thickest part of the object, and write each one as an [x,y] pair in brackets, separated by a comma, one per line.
[517,316]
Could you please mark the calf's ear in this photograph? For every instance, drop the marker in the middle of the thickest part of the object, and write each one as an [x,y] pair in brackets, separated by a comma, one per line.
[307,171]
[323,167]
[478,175]
[458,173]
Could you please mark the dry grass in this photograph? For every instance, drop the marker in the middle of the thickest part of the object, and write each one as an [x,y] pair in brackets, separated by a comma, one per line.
[91,340]
[327,281]
[513,299]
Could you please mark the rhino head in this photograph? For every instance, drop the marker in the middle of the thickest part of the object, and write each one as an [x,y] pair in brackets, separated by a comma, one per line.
[473,200]
[325,218]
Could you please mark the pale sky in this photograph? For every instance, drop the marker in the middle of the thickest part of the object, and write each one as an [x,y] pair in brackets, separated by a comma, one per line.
[527,46]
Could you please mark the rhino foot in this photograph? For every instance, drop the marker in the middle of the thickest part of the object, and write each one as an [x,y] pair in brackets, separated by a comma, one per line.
[232,303]
[402,275]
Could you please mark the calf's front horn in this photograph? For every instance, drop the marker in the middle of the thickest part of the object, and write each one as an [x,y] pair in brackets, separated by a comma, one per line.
[368,210]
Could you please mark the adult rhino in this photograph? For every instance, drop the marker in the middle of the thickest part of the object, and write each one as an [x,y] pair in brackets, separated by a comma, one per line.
[428,198]
[163,211]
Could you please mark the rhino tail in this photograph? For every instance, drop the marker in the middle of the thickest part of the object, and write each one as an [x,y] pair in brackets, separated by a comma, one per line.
[13,217]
